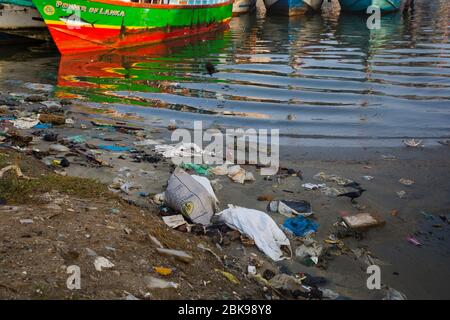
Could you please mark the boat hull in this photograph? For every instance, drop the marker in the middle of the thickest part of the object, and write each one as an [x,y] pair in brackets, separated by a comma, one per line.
[292,7]
[107,25]
[19,17]
[243,6]
[360,6]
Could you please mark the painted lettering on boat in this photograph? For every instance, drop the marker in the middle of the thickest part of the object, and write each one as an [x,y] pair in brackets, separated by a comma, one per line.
[75,7]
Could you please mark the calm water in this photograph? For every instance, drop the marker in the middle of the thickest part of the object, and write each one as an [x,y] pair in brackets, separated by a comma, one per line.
[323,79]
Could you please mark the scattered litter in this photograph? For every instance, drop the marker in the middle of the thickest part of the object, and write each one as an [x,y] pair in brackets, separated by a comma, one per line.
[300,226]
[393,294]
[102,262]
[146,142]
[232,278]
[251,270]
[285,282]
[38,86]
[155,283]
[25,122]
[181,150]
[174,221]
[52,118]
[114,148]
[51,104]
[202,169]
[188,196]
[177,254]
[361,220]
[329,294]
[413,241]
[368,178]
[406,182]
[77,139]
[367,257]
[58,148]
[201,246]
[313,186]
[259,226]
[322,176]
[172,125]
[265,197]
[163,271]
[290,208]
[26,221]
[43,126]
[16,169]
[413,143]
[238,174]
[311,252]
[401,194]
[388,157]
[331,191]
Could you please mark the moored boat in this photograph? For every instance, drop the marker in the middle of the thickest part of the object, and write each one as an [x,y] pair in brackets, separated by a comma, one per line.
[360,6]
[19,14]
[243,6]
[90,25]
[292,7]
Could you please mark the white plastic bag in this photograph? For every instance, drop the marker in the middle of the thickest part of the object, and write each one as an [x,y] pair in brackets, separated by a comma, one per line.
[259,226]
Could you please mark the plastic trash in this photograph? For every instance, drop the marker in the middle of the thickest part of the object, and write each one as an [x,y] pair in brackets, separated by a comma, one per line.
[77,139]
[114,148]
[406,182]
[231,277]
[202,169]
[413,143]
[190,197]
[155,283]
[146,142]
[177,254]
[322,176]
[311,251]
[259,226]
[290,208]
[58,148]
[163,271]
[413,241]
[300,226]
[240,175]
[313,186]
[41,125]
[361,220]
[25,122]
[393,294]
[180,150]
[174,221]
[102,263]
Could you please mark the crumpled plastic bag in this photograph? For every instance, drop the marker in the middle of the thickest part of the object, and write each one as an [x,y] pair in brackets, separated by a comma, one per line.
[259,226]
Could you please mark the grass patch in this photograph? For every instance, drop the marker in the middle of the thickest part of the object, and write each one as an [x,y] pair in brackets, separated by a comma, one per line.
[16,190]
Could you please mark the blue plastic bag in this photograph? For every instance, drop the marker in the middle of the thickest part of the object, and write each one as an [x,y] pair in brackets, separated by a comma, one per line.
[300,226]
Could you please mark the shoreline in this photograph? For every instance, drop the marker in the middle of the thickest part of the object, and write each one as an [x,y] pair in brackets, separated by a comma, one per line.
[346,275]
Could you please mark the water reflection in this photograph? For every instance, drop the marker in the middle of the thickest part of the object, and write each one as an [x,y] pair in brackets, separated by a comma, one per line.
[328,74]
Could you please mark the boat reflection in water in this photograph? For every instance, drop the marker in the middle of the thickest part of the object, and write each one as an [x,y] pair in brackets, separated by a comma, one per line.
[126,76]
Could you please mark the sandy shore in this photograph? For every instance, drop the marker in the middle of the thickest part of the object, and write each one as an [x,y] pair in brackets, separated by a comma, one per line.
[418,272]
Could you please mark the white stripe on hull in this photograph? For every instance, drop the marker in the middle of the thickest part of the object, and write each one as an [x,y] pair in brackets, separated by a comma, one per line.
[18,17]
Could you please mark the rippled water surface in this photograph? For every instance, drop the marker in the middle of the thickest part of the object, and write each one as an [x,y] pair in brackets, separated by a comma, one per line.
[324,77]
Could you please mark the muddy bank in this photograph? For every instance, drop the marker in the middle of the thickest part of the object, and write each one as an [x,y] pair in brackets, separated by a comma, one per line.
[100,144]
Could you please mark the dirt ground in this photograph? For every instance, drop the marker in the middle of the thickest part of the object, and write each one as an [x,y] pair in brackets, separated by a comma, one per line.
[67,221]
